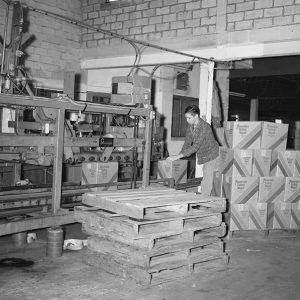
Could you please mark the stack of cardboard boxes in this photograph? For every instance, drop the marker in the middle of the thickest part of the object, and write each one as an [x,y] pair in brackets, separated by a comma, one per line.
[259,177]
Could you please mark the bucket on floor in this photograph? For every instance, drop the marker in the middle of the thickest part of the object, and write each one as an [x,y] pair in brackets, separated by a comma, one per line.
[20,238]
[55,240]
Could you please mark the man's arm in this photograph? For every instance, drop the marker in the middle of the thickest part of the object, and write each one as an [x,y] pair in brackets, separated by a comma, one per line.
[199,136]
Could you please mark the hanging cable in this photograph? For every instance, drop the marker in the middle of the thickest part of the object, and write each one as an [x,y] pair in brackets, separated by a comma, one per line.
[137,56]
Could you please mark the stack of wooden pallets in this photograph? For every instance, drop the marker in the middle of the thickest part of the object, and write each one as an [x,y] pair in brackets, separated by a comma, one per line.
[152,235]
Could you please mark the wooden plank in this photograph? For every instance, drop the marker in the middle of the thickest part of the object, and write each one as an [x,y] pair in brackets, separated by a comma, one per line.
[40,221]
[265,233]
[127,209]
[119,194]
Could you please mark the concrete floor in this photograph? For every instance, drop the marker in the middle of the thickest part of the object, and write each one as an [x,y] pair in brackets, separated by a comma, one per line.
[259,268]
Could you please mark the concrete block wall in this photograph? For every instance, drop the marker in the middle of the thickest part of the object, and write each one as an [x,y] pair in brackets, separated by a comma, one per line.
[168,22]
[256,14]
[148,20]
[55,46]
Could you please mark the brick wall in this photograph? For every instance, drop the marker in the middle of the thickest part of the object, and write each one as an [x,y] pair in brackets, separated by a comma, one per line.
[56,44]
[148,20]
[255,14]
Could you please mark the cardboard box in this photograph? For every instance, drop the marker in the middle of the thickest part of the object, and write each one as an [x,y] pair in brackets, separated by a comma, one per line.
[283,163]
[296,172]
[217,186]
[173,169]
[258,216]
[72,173]
[235,162]
[241,190]
[243,135]
[282,215]
[100,172]
[271,189]
[239,217]
[292,190]
[130,90]
[261,162]
[295,216]
[274,136]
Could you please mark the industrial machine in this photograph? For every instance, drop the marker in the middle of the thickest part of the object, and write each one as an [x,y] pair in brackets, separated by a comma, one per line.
[47,136]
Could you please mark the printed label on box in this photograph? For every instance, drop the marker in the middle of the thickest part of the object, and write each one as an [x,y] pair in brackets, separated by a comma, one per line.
[261,162]
[243,135]
[235,162]
[239,217]
[241,190]
[271,189]
[173,169]
[258,216]
[274,136]
[295,216]
[283,163]
[282,215]
[292,190]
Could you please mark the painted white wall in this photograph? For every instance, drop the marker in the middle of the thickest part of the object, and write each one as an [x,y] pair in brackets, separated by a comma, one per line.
[166,84]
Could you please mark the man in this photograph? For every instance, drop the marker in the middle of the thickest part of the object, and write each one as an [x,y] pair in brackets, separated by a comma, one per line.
[200,139]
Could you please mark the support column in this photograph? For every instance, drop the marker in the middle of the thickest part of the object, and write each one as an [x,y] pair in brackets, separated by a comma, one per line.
[222,80]
[58,160]
[205,99]
[147,151]
[254,105]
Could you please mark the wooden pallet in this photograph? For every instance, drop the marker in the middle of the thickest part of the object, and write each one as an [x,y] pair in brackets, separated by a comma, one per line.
[161,240]
[157,259]
[264,233]
[155,276]
[155,204]
[123,225]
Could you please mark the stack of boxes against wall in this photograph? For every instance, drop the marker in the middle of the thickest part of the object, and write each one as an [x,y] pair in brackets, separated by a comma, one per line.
[259,177]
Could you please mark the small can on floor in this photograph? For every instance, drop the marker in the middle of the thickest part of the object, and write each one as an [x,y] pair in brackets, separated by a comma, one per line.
[55,240]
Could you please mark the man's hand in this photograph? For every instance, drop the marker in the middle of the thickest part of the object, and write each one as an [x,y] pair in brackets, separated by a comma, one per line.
[174,157]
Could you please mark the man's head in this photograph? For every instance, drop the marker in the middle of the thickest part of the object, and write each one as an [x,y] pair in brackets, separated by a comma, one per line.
[192,114]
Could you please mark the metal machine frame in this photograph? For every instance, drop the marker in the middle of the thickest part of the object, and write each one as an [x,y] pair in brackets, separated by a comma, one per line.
[58,141]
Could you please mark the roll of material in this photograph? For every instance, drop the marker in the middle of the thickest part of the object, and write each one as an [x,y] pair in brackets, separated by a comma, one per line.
[55,241]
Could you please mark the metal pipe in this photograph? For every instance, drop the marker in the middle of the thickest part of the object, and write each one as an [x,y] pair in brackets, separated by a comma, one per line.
[112,34]
[4,47]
